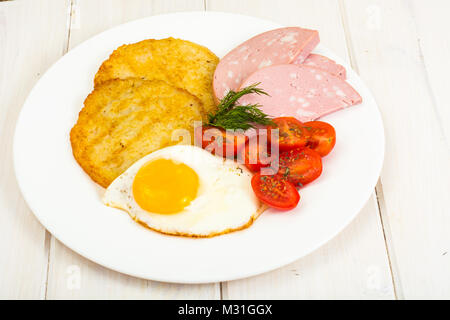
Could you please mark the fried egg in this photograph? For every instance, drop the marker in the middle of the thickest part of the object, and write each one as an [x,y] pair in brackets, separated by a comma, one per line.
[184,190]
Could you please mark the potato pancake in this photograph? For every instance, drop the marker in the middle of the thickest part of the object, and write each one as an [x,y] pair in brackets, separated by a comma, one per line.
[124,120]
[179,62]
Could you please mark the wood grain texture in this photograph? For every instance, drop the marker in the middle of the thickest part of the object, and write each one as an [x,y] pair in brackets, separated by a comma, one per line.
[415,180]
[432,24]
[355,264]
[23,263]
[70,275]
[92,17]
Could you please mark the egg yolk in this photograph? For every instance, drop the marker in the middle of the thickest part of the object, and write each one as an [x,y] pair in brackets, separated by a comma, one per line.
[164,186]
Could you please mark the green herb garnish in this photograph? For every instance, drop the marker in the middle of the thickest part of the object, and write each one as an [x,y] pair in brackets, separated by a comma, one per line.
[230,115]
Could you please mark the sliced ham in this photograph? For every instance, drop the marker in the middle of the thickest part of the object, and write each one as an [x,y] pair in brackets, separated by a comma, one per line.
[279,46]
[324,63]
[300,91]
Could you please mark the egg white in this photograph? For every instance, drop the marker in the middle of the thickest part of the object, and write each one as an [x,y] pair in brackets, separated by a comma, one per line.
[225,200]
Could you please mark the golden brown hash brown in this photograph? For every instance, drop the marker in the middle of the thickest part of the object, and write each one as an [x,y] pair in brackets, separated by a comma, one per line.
[179,62]
[123,120]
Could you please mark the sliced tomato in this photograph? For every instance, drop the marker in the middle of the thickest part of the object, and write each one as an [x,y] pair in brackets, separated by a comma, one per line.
[256,154]
[300,166]
[292,134]
[220,142]
[322,137]
[275,191]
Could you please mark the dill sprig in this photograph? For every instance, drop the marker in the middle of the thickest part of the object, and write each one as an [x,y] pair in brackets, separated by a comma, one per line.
[229,115]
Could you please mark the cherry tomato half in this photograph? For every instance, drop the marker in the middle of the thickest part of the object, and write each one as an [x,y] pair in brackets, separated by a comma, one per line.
[300,166]
[275,191]
[292,133]
[219,142]
[322,137]
[256,153]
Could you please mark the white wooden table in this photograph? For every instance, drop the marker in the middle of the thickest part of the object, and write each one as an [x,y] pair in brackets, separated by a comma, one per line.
[395,249]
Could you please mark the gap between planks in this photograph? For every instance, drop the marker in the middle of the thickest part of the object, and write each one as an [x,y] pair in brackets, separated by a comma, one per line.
[379,187]
[387,235]
[48,235]
[47,244]
[69,26]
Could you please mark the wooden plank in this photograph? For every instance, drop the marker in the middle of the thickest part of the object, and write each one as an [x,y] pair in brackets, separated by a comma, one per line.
[30,41]
[70,275]
[74,277]
[92,17]
[355,264]
[415,180]
[431,22]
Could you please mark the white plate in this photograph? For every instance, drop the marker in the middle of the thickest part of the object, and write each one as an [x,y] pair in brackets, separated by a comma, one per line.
[68,204]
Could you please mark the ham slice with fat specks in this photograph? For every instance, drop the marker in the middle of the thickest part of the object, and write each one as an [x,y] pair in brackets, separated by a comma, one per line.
[299,91]
[324,63]
[274,47]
